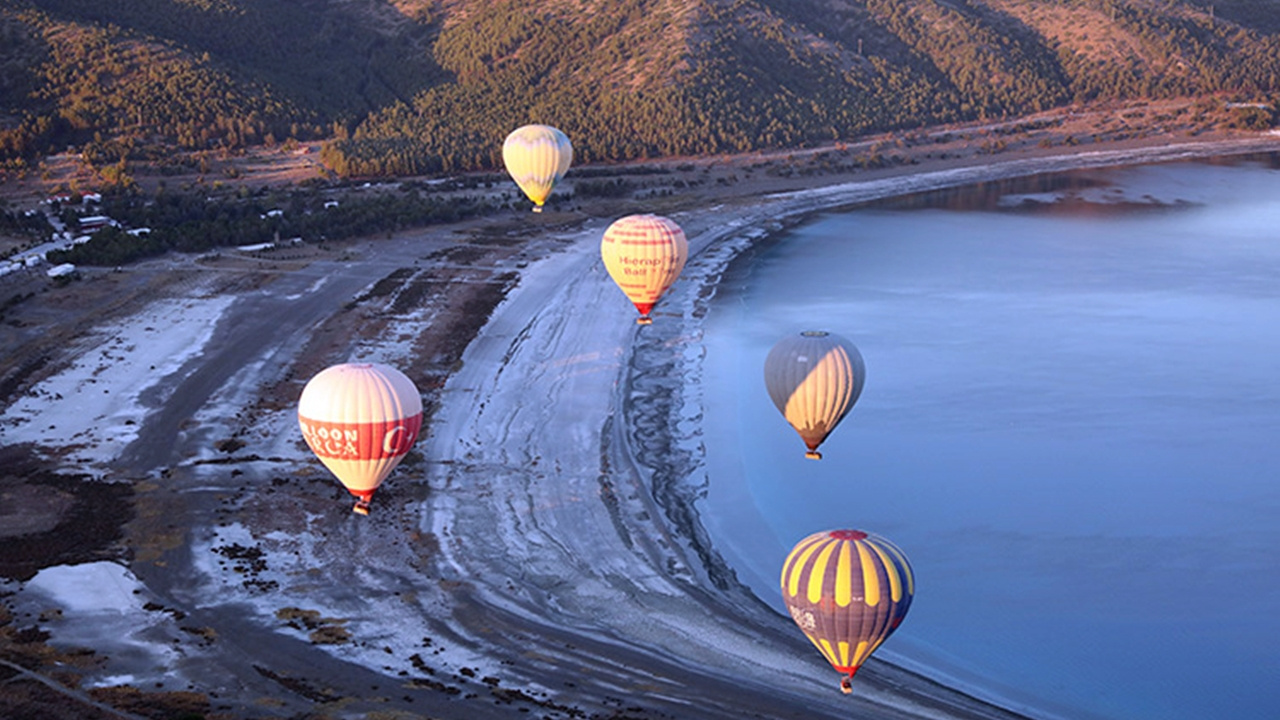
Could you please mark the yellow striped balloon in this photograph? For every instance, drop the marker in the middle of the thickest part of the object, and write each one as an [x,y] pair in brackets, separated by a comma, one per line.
[537,157]
[644,255]
[848,590]
[814,378]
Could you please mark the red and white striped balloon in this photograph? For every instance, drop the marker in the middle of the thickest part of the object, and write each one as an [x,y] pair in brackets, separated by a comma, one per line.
[644,255]
[360,419]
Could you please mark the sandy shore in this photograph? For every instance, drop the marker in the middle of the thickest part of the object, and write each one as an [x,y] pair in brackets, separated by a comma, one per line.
[544,554]
[649,437]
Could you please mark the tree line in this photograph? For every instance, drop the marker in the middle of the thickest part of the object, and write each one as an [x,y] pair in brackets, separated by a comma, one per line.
[776,75]
[194,222]
[436,88]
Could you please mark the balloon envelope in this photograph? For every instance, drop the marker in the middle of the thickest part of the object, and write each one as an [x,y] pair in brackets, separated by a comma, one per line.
[537,157]
[360,419]
[644,255]
[847,590]
[814,378]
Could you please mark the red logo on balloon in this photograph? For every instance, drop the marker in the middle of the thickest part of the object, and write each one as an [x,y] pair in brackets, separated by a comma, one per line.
[361,441]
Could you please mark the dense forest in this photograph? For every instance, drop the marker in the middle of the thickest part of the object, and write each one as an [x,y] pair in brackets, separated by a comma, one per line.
[405,87]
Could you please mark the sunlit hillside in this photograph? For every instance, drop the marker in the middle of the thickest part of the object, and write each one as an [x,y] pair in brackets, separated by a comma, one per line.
[420,86]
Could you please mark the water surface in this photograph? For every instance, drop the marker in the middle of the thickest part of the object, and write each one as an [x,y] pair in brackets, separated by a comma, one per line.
[1071,424]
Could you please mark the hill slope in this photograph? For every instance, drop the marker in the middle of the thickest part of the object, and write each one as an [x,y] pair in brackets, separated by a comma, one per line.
[420,86]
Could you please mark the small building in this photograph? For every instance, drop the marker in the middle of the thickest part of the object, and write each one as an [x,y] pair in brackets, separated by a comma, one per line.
[63,270]
[94,223]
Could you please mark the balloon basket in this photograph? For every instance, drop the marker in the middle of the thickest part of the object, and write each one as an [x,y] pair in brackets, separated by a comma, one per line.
[361,508]
[537,208]
[813,455]
[644,320]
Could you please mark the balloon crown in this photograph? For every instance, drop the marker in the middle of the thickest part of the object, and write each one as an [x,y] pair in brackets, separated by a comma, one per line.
[814,333]
[848,534]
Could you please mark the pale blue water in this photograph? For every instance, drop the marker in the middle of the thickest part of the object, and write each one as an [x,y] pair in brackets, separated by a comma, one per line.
[1071,424]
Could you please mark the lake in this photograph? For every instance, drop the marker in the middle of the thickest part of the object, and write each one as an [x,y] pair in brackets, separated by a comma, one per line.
[1071,425]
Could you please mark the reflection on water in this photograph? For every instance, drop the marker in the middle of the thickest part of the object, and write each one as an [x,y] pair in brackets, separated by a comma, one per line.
[1068,423]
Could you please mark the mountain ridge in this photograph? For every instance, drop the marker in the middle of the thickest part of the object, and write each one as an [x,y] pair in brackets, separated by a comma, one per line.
[400,87]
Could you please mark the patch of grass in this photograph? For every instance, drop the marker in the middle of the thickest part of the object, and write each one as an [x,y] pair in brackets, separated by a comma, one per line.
[323,631]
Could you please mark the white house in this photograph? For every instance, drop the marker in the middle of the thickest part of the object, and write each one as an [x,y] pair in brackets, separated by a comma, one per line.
[93,223]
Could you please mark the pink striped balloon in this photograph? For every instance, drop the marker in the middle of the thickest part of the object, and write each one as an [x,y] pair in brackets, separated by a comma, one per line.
[644,255]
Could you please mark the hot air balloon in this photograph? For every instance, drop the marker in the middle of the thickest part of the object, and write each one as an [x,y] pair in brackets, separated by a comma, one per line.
[848,591]
[814,378]
[537,157]
[644,254]
[360,419]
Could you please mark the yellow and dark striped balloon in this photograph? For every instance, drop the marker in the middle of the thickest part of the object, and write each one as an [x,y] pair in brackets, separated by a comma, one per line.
[537,157]
[847,590]
[814,378]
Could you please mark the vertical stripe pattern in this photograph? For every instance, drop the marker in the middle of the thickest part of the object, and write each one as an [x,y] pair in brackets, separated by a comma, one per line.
[360,419]
[537,157]
[644,255]
[814,378]
[848,591]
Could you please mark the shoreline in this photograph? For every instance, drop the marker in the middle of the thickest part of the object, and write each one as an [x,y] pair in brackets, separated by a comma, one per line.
[562,433]
[720,249]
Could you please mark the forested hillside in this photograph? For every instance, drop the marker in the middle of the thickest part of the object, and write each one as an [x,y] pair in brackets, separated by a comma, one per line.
[427,86]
